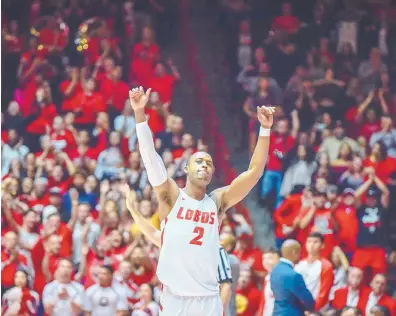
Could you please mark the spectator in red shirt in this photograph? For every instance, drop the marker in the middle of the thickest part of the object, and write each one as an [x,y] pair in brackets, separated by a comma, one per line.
[61,138]
[114,90]
[318,218]
[163,83]
[286,22]
[249,255]
[383,164]
[11,260]
[87,104]
[45,112]
[281,142]
[70,88]
[49,248]
[248,296]
[148,45]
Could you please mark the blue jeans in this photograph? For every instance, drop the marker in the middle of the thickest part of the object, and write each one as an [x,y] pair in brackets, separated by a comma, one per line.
[271,181]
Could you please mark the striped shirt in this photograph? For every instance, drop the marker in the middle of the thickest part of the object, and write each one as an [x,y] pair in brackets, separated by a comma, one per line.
[224,269]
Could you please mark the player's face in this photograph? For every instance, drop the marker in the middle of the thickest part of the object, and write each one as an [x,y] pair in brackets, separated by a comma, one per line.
[105,277]
[313,245]
[200,168]
[20,279]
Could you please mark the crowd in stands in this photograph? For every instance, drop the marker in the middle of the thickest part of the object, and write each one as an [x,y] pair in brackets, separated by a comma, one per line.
[329,68]
[69,146]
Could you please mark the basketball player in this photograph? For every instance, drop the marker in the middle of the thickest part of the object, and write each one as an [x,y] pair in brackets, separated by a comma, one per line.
[189,217]
[224,276]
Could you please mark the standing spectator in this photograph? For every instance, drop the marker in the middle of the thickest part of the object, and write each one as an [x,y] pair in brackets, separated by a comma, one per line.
[162,83]
[316,271]
[104,298]
[282,141]
[12,150]
[286,22]
[63,296]
[331,145]
[370,70]
[371,237]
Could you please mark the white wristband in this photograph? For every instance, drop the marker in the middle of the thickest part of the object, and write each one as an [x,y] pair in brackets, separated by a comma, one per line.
[264,131]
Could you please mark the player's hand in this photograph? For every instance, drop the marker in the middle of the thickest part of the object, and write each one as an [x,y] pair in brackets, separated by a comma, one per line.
[139,98]
[265,115]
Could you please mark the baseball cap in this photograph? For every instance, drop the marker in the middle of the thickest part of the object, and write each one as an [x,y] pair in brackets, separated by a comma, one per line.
[349,191]
[48,211]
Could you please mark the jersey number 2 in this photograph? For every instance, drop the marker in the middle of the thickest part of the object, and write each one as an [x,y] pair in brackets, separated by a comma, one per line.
[197,240]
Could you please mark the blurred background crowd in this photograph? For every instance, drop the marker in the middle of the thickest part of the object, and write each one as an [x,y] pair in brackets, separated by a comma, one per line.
[69,145]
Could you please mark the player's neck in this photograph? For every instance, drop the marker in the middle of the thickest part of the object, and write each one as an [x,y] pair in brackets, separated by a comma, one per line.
[195,192]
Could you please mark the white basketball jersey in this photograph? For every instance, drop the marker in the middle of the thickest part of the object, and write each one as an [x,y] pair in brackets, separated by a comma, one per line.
[189,254]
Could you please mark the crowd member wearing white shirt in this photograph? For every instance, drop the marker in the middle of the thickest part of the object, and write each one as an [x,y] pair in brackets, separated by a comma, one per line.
[146,306]
[378,296]
[105,298]
[123,278]
[63,296]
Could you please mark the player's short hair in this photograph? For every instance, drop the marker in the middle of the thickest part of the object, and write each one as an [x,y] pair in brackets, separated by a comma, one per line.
[108,268]
[317,235]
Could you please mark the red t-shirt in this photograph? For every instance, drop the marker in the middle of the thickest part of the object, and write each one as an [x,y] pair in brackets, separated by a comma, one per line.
[347,234]
[152,51]
[248,300]
[64,138]
[115,91]
[287,213]
[155,120]
[279,145]
[164,86]
[47,115]
[37,254]
[289,24]
[90,106]
[93,261]
[144,277]
[383,169]
[368,129]
[322,223]
[253,254]
[68,103]
[8,272]
[141,71]
[38,204]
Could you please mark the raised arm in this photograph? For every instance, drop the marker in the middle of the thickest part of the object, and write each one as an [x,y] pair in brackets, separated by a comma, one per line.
[152,233]
[239,188]
[165,188]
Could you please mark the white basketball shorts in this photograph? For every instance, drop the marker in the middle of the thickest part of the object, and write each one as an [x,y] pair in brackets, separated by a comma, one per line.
[174,305]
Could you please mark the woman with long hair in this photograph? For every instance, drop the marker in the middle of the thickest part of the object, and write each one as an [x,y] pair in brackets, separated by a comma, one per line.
[146,306]
[20,300]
